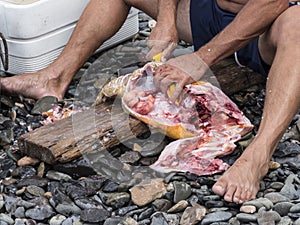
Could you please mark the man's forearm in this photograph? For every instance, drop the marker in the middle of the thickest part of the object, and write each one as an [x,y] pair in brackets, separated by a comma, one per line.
[251,21]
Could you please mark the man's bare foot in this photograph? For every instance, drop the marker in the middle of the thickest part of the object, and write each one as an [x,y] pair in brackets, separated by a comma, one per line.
[35,85]
[241,181]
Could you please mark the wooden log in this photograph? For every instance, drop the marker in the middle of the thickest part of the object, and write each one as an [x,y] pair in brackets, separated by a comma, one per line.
[233,78]
[69,138]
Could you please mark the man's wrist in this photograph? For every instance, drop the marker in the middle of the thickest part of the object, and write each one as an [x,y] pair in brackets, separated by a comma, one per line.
[207,54]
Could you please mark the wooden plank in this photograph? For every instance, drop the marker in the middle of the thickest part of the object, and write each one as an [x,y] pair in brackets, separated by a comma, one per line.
[69,138]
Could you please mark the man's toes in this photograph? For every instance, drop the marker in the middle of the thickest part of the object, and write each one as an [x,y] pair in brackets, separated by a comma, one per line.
[219,188]
[237,198]
[229,195]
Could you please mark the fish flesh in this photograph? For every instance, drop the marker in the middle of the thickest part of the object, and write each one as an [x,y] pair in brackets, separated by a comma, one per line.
[206,122]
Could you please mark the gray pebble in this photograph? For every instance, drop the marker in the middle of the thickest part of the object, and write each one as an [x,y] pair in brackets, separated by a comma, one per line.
[20,212]
[182,191]
[54,175]
[7,219]
[267,217]
[68,209]
[283,208]
[116,200]
[297,222]
[295,208]
[260,202]
[35,190]
[220,216]
[57,220]
[276,185]
[276,197]
[94,215]
[161,205]
[285,221]
[113,221]
[40,212]
[246,218]
[1,201]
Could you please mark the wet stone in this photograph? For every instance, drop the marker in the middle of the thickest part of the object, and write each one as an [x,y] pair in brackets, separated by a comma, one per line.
[7,219]
[54,175]
[94,215]
[178,207]
[285,221]
[216,217]
[19,212]
[24,172]
[124,210]
[113,221]
[77,191]
[130,157]
[68,209]
[289,190]
[276,197]
[87,203]
[297,222]
[276,185]
[248,209]
[283,208]
[57,220]
[246,218]
[146,214]
[213,204]
[40,212]
[44,104]
[158,219]
[193,215]
[115,200]
[1,201]
[260,202]
[110,187]
[295,208]
[267,217]
[285,149]
[35,190]
[182,191]
[161,205]
[35,180]
[144,194]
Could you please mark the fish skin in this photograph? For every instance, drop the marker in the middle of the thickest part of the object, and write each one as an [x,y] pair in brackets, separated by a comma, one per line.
[199,144]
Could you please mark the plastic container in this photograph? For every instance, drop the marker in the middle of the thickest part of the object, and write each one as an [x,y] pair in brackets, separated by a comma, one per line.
[36,31]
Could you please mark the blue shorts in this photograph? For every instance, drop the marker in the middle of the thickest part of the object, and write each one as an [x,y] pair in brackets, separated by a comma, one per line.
[208,19]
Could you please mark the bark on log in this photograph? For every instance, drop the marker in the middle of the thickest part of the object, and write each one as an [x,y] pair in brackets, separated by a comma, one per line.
[233,78]
[69,138]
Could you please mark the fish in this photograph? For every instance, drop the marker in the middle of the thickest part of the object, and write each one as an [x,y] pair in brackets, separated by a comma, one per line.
[205,125]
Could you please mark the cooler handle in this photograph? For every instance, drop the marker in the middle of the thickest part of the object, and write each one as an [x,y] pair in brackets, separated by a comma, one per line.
[4,59]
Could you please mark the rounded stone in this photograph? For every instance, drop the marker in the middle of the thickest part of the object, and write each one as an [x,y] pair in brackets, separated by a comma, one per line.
[220,216]
[248,209]
[57,220]
[283,208]
[94,215]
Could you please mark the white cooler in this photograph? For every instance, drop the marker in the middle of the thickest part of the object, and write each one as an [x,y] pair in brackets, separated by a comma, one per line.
[36,31]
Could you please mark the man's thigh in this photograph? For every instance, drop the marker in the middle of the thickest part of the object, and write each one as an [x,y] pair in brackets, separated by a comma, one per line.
[285,30]
[150,7]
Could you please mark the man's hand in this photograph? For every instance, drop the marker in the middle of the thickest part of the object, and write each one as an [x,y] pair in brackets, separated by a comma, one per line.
[164,39]
[180,71]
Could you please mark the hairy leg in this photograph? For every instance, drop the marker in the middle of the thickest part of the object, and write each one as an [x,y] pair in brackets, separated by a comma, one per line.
[280,45]
[93,28]
[99,21]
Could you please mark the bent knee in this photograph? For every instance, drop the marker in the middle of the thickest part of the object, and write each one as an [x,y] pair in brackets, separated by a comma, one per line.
[287,26]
